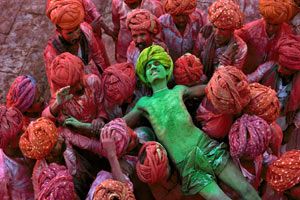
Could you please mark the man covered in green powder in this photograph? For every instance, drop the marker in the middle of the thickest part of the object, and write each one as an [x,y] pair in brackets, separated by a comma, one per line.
[198,158]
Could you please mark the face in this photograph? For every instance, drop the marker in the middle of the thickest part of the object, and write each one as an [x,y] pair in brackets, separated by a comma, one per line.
[77,89]
[180,20]
[71,35]
[222,36]
[155,70]
[37,107]
[141,38]
[272,29]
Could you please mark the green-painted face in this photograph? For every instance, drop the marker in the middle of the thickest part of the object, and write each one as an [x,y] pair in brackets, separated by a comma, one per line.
[155,70]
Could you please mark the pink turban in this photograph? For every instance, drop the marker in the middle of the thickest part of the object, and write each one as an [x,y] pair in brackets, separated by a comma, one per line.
[66,69]
[39,139]
[228,90]
[67,14]
[179,7]
[22,93]
[118,128]
[188,70]
[284,173]
[118,82]
[112,189]
[264,102]
[10,124]
[248,137]
[226,14]
[55,182]
[152,166]
[141,19]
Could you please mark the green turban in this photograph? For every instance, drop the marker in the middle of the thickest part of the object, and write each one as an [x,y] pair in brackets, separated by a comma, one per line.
[156,53]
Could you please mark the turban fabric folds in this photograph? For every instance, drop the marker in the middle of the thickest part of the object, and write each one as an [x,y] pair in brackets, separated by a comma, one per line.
[179,7]
[152,166]
[277,11]
[248,137]
[226,14]
[22,93]
[156,53]
[39,139]
[66,69]
[10,124]
[118,82]
[264,102]
[284,173]
[67,14]
[188,70]
[228,90]
[111,189]
[55,182]
[141,19]
[118,128]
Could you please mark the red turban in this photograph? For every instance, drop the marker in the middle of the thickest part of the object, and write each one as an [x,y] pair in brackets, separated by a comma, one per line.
[179,7]
[112,189]
[141,19]
[288,49]
[66,69]
[264,102]
[228,90]
[248,137]
[284,173]
[39,139]
[10,124]
[22,93]
[226,14]
[213,123]
[118,82]
[277,11]
[121,134]
[55,182]
[152,166]
[67,14]
[188,70]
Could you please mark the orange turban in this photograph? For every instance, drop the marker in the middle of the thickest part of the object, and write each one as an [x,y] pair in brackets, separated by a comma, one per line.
[10,124]
[39,139]
[284,173]
[228,90]
[66,69]
[188,70]
[277,11]
[118,82]
[264,102]
[67,14]
[179,7]
[152,165]
[141,19]
[226,14]
[112,189]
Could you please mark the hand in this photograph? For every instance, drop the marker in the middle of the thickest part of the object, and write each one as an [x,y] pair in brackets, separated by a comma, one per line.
[108,143]
[97,124]
[72,122]
[97,23]
[206,30]
[62,96]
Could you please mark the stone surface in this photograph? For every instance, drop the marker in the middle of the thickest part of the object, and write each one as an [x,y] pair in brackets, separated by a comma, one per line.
[2,38]
[34,6]
[5,81]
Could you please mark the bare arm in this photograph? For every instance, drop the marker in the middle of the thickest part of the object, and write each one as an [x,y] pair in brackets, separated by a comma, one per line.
[133,117]
[195,91]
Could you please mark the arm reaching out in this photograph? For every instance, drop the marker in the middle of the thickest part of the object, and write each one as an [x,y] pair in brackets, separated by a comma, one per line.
[195,91]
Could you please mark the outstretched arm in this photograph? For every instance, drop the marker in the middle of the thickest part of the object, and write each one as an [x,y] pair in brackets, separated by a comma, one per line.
[195,91]
[133,117]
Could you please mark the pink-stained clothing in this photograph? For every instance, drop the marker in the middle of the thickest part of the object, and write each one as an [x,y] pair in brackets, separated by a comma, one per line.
[249,8]
[15,179]
[238,60]
[84,108]
[295,24]
[119,16]
[102,176]
[180,44]
[89,51]
[261,47]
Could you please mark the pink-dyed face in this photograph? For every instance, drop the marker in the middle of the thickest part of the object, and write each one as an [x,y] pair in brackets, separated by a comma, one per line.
[180,20]
[272,29]
[141,38]
[71,35]
[222,36]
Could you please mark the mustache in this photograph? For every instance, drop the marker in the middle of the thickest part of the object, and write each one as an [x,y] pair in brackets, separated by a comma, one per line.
[141,45]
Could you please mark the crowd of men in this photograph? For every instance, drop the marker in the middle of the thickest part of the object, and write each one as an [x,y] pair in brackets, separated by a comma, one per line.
[201,104]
